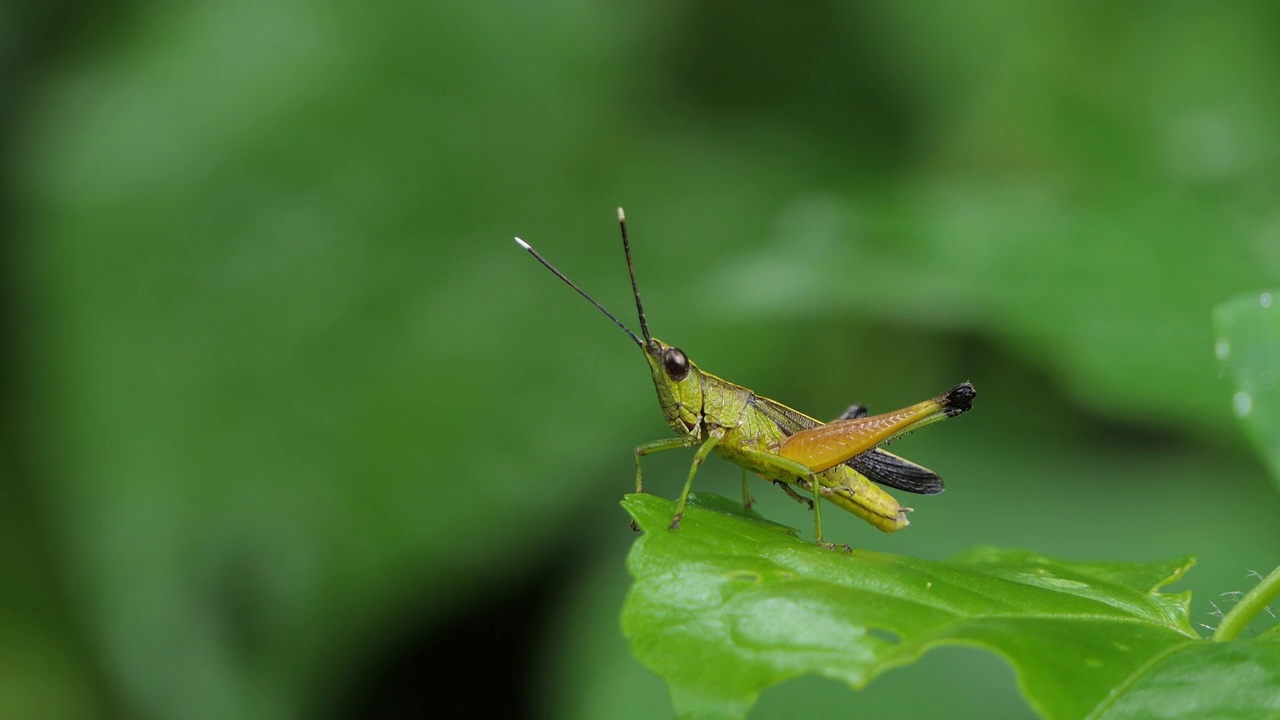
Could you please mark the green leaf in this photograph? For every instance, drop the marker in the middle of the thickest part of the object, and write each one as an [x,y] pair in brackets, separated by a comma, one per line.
[730,605]
[1203,680]
[1247,331]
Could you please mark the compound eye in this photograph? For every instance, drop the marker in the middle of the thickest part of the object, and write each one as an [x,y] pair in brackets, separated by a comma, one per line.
[676,364]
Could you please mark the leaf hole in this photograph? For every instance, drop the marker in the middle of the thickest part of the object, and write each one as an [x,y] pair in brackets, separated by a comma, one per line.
[888,636]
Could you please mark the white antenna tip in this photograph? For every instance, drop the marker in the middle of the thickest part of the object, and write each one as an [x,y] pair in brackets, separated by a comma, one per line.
[621,217]
[523,244]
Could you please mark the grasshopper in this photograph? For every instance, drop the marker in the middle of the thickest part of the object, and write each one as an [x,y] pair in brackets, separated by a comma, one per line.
[838,462]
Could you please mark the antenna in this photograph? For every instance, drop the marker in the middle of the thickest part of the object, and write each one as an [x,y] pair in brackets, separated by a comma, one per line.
[626,248]
[569,282]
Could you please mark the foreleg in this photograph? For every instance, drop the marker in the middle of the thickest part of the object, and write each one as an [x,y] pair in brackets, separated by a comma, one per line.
[698,457]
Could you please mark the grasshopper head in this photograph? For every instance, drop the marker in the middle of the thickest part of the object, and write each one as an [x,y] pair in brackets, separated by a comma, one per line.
[679,385]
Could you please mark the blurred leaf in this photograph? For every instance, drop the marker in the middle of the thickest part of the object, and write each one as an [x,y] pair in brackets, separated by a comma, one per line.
[1005,260]
[1088,225]
[731,604]
[1248,345]
[44,671]
[283,322]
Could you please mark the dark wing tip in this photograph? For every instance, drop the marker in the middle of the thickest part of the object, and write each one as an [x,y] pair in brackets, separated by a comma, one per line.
[958,399]
[925,486]
[895,472]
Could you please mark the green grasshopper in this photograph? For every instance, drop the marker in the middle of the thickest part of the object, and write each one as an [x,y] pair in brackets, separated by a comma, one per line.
[837,462]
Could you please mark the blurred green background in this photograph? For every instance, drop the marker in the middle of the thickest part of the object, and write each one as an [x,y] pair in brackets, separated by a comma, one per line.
[295,430]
